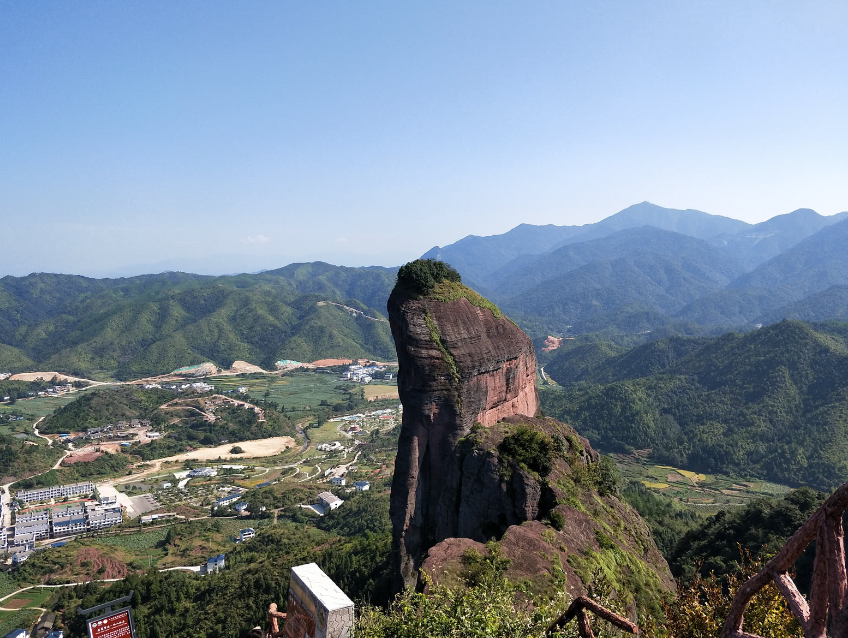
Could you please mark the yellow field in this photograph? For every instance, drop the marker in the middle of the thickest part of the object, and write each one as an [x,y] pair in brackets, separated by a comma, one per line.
[374,391]
[656,486]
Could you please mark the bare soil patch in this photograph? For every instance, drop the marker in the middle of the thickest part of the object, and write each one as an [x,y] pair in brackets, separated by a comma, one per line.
[17,603]
[261,447]
[44,376]
[243,367]
[326,363]
[83,456]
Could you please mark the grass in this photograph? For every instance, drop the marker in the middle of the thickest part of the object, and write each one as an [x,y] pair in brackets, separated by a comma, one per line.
[705,493]
[21,619]
[374,390]
[35,597]
[447,291]
[296,391]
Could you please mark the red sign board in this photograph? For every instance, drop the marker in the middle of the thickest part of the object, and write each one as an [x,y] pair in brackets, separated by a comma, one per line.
[115,625]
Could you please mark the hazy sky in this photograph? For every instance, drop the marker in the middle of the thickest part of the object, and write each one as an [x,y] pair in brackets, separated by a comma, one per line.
[223,136]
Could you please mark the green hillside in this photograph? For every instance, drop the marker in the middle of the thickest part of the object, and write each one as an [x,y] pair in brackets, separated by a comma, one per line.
[772,403]
[129,328]
[632,293]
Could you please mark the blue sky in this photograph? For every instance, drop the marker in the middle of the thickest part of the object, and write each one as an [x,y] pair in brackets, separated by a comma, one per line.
[224,136]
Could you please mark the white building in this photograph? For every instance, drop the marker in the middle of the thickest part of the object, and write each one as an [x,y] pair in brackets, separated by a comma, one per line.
[215,564]
[246,534]
[329,500]
[362,486]
[338,480]
[59,491]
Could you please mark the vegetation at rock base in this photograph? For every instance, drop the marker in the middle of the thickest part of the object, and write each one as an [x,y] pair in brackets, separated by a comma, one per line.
[363,514]
[767,404]
[718,544]
[419,277]
[667,520]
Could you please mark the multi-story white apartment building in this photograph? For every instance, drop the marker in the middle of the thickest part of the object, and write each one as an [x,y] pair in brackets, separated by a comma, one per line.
[41,494]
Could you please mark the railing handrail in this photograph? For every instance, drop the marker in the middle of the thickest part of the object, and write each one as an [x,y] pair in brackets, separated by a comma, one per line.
[827,602]
[578,609]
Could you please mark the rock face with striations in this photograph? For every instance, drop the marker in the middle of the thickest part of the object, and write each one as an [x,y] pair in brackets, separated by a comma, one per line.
[461,362]
[476,464]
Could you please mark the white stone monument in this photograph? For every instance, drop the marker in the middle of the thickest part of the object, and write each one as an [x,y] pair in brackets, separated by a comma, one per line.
[317,607]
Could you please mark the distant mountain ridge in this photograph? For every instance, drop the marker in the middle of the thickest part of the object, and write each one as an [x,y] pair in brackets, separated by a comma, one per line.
[152,324]
[649,268]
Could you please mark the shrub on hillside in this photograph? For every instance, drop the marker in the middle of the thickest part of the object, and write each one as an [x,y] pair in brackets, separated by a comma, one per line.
[530,449]
[421,275]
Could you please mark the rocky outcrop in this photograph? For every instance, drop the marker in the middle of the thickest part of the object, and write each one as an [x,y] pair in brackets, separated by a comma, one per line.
[596,533]
[461,363]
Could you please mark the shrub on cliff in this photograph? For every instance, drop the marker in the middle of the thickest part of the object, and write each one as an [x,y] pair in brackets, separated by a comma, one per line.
[421,276]
[529,449]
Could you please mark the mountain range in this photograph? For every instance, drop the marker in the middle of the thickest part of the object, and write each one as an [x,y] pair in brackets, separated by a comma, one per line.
[770,403]
[649,269]
[139,326]
[643,273]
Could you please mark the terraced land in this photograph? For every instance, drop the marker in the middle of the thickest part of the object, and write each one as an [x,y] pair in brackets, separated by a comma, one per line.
[707,493]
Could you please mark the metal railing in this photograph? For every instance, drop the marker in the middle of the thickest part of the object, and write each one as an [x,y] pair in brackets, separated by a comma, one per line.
[826,608]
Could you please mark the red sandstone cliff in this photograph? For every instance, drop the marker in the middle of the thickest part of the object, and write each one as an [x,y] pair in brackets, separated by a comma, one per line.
[460,364]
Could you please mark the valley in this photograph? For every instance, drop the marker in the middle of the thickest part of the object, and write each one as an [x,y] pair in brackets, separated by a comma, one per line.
[190,407]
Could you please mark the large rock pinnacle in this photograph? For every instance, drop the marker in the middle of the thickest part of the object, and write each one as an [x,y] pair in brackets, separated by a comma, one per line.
[461,363]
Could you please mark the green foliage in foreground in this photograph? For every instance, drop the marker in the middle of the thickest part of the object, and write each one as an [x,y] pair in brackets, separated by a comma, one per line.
[771,404]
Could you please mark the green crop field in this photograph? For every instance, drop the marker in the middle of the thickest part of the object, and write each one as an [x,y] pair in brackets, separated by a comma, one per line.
[706,493]
[302,391]
[23,618]
[34,598]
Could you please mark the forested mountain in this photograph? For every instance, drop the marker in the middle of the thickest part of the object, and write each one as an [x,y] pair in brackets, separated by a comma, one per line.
[760,242]
[813,265]
[592,297]
[772,403]
[830,304]
[517,278]
[477,258]
[155,323]
[649,269]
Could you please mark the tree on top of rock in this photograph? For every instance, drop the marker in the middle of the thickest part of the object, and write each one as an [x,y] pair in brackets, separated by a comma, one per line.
[421,276]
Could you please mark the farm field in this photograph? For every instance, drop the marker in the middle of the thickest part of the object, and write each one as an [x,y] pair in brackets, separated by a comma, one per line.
[296,391]
[707,493]
[380,391]
[28,599]
[37,407]
[10,620]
